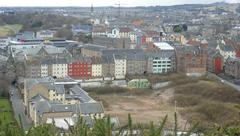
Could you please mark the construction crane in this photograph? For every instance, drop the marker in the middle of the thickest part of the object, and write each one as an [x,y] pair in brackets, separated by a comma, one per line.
[119,8]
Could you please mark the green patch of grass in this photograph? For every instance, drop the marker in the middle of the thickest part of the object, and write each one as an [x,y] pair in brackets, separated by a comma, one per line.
[8,30]
[6,115]
[5,104]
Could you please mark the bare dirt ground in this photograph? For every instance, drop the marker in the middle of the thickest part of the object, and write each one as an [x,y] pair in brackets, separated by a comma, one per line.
[152,106]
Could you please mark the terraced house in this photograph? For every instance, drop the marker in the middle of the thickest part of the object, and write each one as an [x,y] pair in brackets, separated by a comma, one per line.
[80,68]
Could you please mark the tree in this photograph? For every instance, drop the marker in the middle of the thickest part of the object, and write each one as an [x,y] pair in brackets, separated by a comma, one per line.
[37,24]
[238,9]
[65,33]
[177,29]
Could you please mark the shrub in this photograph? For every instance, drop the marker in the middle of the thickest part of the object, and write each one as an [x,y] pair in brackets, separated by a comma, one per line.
[210,90]
[211,113]
[185,100]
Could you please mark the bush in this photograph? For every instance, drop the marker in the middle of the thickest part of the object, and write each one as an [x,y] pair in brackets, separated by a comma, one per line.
[186,100]
[210,90]
[211,113]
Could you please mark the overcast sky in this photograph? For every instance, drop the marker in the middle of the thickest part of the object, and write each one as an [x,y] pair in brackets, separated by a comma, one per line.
[87,3]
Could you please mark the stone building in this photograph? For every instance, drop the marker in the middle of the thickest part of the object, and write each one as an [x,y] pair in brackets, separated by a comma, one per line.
[192,59]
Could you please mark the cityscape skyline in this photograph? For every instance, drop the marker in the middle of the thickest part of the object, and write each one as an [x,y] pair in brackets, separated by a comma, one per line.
[97,3]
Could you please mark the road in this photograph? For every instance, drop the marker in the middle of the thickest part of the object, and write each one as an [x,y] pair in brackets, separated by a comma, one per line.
[18,108]
[237,87]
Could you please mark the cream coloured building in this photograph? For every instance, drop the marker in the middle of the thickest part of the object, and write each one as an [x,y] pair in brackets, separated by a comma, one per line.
[57,94]
[120,64]
[96,70]
[60,70]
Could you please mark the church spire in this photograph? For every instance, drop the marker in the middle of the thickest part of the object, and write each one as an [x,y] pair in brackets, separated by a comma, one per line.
[92,10]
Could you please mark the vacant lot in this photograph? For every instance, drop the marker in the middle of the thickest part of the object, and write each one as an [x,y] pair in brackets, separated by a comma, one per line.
[6,114]
[198,100]
[143,105]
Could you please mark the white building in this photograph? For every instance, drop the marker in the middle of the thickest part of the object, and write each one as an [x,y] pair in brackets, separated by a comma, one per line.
[163,46]
[226,51]
[162,64]
[58,68]
[45,34]
[96,70]
[114,33]
[162,61]
[120,63]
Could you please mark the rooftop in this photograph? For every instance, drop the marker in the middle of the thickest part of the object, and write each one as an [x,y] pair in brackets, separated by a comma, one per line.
[163,46]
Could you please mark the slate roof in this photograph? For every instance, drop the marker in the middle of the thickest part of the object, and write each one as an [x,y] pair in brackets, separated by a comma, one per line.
[227,48]
[54,50]
[83,108]
[38,98]
[94,47]
[78,93]
[107,59]
[233,59]
[42,107]
[125,30]
[34,51]
[120,56]
[136,57]
[54,61]
[89,108]
[80,59]
[125,52]
[30,83]
[59,89]
[188,49]
[162,54]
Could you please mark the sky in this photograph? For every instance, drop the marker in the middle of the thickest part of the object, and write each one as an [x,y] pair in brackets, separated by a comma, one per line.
[88,3]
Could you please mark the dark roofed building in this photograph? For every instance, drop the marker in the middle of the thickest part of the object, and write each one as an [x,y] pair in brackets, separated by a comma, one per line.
[232,67]
[122,43]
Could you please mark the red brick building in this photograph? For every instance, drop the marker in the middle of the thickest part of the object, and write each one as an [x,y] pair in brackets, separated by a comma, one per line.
[80,69]
[192,59]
